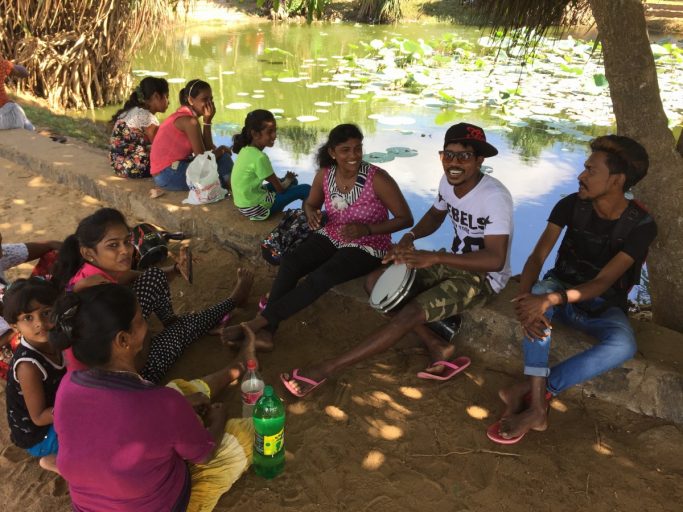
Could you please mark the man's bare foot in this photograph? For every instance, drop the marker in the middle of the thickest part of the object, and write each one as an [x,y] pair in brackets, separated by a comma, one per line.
[49,463]
[513,397]
[245,278]
[248,348]
[438,348]
[518,424]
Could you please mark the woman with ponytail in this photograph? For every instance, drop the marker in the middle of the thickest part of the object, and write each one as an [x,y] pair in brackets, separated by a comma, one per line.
[254,200]
[100,252]
[125,442]
[181,137]
[135,126]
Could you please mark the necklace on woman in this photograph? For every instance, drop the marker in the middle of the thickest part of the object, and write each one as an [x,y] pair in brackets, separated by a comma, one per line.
[345,187]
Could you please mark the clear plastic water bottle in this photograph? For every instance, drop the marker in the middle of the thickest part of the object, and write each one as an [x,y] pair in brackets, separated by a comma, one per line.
[269,435]
[252,389]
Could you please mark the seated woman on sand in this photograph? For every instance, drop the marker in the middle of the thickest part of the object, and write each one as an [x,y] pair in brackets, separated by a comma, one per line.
[358,198]
[130,451]
[180,138]
[101,252]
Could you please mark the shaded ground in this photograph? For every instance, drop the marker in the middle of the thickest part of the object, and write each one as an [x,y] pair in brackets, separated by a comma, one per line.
[377,438]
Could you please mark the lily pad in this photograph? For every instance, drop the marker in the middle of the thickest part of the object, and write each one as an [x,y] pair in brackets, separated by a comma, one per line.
[238,106]
[395,120]
[401,151]
[378,157]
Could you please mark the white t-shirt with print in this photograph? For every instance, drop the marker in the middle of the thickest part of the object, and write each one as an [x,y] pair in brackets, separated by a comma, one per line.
[485,210]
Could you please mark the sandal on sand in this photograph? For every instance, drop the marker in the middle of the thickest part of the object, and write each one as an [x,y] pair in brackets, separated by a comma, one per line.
[285,378]
[493,433]
[452,369]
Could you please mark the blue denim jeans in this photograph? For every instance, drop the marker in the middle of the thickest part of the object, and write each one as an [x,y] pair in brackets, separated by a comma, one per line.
[616,342]
[293,193]
[176,179]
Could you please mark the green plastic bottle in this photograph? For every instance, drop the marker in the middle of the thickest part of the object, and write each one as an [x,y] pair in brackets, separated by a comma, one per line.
[269,435]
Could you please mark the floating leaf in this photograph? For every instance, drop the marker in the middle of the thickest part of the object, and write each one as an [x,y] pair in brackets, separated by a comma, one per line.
[238,106]
[377,44]
[378,157]
[278,51]
[395,120]
[402,151]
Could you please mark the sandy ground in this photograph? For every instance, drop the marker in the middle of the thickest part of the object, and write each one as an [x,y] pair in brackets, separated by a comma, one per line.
[377,438]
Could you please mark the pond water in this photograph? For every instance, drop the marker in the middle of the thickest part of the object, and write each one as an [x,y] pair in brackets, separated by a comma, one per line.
[404,94]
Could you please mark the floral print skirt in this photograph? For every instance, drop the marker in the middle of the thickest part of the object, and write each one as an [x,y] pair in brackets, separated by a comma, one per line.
[129,151]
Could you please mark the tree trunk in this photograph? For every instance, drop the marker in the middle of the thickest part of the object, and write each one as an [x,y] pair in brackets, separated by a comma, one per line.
[630,70]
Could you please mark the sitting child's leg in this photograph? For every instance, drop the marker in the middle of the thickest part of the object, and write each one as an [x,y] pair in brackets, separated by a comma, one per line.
[154,295]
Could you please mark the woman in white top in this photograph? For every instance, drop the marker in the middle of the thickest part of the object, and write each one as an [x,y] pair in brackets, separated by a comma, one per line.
[135,126]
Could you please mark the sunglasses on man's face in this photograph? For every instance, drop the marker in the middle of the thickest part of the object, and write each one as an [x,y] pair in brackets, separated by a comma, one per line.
[460,156]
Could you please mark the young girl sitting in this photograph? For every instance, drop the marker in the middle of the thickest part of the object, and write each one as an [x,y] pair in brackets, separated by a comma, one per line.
[252,167]
[180,138]
[135,126]
[130,451]
[36,369]
[101,252]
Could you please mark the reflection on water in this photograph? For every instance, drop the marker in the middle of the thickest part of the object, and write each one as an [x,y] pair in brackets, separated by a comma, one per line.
[289,68]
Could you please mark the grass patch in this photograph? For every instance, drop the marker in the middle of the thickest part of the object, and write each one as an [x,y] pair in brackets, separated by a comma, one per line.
[94,133]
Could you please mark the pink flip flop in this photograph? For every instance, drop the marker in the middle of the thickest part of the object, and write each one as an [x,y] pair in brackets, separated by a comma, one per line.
[493,433]
[285,378]
[452,369]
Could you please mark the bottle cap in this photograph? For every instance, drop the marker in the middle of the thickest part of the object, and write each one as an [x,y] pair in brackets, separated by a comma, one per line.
[268,390]
[251,364]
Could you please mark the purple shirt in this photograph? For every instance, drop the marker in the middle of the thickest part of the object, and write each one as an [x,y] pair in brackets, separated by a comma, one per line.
[123,442]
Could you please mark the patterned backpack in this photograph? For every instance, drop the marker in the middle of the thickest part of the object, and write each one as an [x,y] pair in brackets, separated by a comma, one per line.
[288,234]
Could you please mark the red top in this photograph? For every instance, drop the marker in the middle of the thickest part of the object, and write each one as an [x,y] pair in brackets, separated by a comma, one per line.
[87,270]
[6,68]
[170,144]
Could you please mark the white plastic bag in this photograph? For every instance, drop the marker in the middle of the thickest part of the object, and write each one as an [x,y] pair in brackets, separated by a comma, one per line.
[202,178]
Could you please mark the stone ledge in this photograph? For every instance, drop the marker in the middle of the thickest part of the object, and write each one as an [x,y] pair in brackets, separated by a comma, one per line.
[651,384]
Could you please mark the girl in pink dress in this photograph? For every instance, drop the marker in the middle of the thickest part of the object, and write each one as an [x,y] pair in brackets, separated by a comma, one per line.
[100,252]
